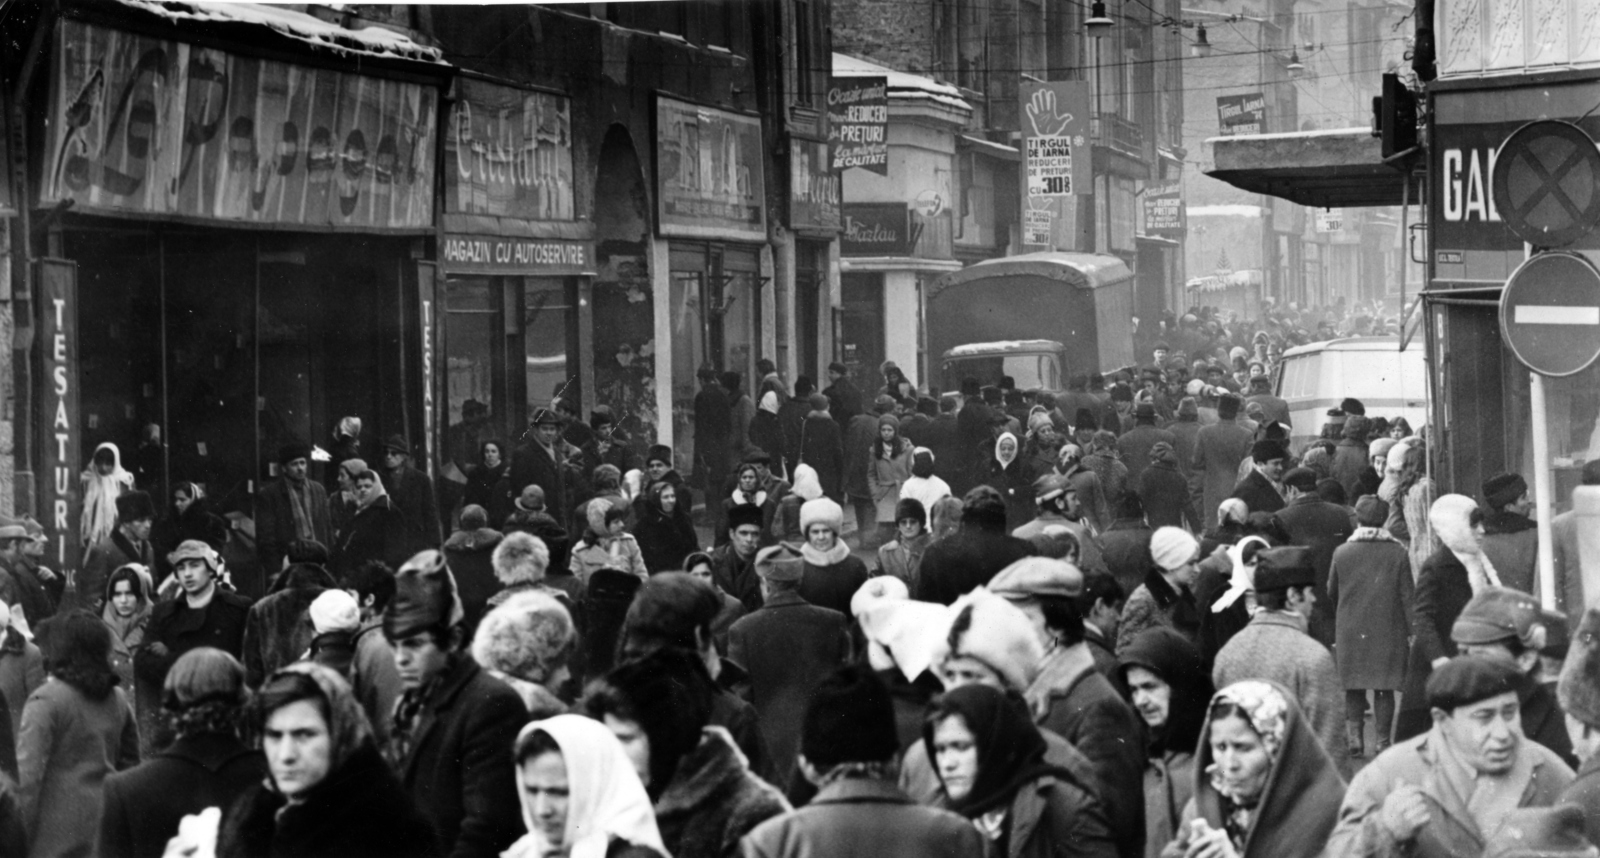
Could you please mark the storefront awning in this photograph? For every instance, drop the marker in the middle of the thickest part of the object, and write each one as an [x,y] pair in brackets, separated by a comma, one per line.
[1342,168]
[212,16]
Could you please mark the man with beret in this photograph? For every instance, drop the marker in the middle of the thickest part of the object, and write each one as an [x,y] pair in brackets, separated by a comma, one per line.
[539,460]
[788,647]
[1262,489]
[1136,443]
[1218,450]
[1507,625]
[1444,793]
[1275,645]
[1578,691]
[289,508]
[454,724]
[1510,537]
[1057,500]
[411,491]
[1321,527]
[129,543]
[848,749]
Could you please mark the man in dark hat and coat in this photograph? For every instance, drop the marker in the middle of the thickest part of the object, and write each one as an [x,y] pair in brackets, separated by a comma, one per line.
[411,491]
[1136,443]
[454,724]
[1260,489]
[1274,407]
[733,565]
[539,461]
[1321,527]
[290,508]
[844,398]
[129,543]
[1510,537]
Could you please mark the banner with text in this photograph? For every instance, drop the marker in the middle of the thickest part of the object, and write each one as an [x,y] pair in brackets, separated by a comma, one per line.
[858,123]
[1056,164]
[709,176]
[496,254]
[60,435]
[876,229]
[1242,114]
[1163,212]
[508,152]
[152,126]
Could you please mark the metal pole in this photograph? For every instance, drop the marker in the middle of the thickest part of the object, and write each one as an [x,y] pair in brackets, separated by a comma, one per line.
[1541,493]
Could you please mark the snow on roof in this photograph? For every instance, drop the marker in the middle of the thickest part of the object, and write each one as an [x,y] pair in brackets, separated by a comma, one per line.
[1225,211]
[367,41]
[1291,135]
[909,85]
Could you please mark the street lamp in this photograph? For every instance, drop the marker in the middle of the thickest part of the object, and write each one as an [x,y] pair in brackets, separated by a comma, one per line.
[1201,47]
[1098,22]
[1294,66]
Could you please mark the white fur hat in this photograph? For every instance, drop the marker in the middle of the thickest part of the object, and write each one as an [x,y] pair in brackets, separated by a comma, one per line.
[335,611]
[821,511]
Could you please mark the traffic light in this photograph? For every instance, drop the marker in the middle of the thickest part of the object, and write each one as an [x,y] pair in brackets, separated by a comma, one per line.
[1394,116]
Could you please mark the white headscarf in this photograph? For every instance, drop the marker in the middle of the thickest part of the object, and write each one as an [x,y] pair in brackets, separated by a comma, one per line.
[1451,517]
[806,483]
[100,495]
[769,402]
[1016,449]
[1243,578]
[605,799]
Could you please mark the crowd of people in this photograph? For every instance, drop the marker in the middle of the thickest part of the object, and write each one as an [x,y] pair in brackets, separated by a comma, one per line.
[1127,619]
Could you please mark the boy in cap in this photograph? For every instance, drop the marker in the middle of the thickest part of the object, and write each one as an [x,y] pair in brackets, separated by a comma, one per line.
[289,508]
[1445,792]
[129,543]
[1277,647]
[203,614]
[454,725]
[1507,625]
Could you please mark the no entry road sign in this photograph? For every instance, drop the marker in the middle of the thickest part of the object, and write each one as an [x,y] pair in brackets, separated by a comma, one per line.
[1550,313]
[1546,183]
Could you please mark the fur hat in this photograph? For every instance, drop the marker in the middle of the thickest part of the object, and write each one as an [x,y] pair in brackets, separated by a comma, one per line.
[850,719]
[1188,408]
[1171,547]
[1352,407]
[293,450]
[1381,447]
[991,630]
[528,636]
[1579,688]
[1282,568]
[909,508]
[1267,450]
[659,453]
[1085,419]
[1303,479]
[1355,427]
[821,511]
[425,598]
[1504,489]
[131,506]
[743,514]
[780,563]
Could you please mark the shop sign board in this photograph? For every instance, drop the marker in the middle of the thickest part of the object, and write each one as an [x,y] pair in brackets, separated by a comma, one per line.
[508,152]
[1056,163]
[858,123]
[60,436]
[813,187]
[427,312]
[148,126]
[1163,212]
[1330,220]
[498,254]
[709,176]
[876,229]
[1550,313]
[1241,114]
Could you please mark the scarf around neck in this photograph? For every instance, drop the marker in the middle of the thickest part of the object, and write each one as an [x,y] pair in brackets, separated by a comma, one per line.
[831,557]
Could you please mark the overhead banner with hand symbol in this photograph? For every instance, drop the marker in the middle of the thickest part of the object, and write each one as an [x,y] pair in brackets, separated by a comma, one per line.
[1056,164]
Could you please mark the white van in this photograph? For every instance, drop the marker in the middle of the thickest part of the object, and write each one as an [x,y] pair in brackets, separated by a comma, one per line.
[1316,377]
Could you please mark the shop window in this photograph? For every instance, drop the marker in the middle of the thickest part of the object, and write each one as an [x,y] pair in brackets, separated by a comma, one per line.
[547,319]
[1572,415]
[472,369]
[862,347]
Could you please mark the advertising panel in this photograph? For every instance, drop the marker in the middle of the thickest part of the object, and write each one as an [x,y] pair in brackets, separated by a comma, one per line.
[1056,163]
[508,152]
[858,123]
[875,229]
[1163,211]
[708,173]
[1241,114]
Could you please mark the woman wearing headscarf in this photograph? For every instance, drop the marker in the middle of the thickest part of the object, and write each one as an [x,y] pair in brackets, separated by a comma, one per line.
[1264,787]
[1043,446]
[126,615]
[76,728]
[102,482]
[580,796]
[342,503]
[377,531]
[487,485]
[887,470]
[785,524]
[664,531]
[766,431]
[208,763]
[924,486]
[990,759]
[329,793]
[1170,688]
[1006,473]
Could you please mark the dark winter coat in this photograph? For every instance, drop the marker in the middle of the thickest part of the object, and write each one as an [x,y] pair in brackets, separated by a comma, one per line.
[833,585]
[792,417]
[358,811]
[859,435]
[470,555]
[955,565]
[1511,542]
[1135,447]
[68,744]
[736,576]
[1164,491]
[460,770]
[1371,592]
[144,805]
[766,432]
[1350,459]
[972,446]
[713,801]
[533,465]
[1321,527]
[1258,493]
[277,631]
[844,400]
[1218,450]
[275,521]
[488,487]
[855,816]
[1125,549]
[1443,591]
[378,532]
[1584,792]
[1542,719]
[412,493]
[174,624]
[788,648]
[1014,482]
[822,447]
[711,429]
[1113,474]
[664,539]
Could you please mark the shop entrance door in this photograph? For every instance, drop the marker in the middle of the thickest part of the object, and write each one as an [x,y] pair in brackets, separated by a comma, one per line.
[861,337]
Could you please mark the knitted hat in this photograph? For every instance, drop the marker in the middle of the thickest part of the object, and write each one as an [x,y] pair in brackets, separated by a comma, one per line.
[997,633]
[1499,614]
[1266,451]
[744,514]
[1579,688]
[1171,547]
[1032,577]
[1282,568]
[424,597]
[1371,511]
[334,611]
[203,675]
[131,506]
[1465,680]
[821,511]
[909,508]
[1542,832]
[850,719]
[1504,489]
[293,450]
[780,563]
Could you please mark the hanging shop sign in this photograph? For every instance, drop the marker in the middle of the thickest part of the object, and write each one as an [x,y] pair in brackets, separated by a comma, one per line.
[858,123]
[709,178]
[60,435]
[1330,220]
[1241,114]
[876,229]
[496,254]
[1163,212]
[1056,164]
[150,126]
[813,188]
[508,152]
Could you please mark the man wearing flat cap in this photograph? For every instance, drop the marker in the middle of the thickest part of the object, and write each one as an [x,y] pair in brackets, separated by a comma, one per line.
[1056,497]
[1510,537]
[1277,647]
[290,508]
[788,648]
[540,460]
[1321,527]
[1508,626]
[1262,489]
[411,490]
[1446,792]
[204,614]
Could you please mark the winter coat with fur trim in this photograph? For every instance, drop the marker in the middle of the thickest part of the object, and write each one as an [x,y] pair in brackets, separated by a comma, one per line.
[713,800]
